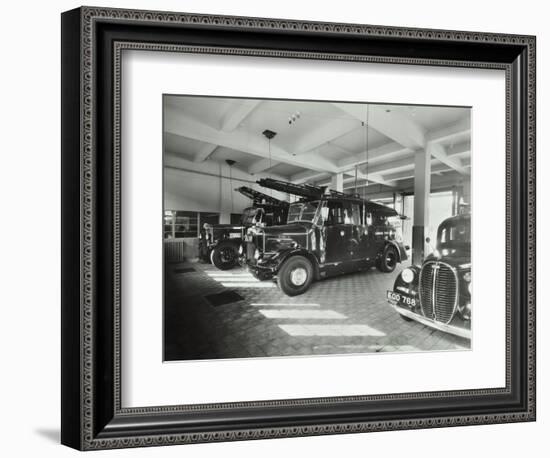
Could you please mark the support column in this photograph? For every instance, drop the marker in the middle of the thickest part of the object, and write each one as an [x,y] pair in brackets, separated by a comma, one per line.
[337,182]
[422,175]
[466,192]
[454,204]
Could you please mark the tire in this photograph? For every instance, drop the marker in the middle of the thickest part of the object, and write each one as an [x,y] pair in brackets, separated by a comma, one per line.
[388,261]
[225,256]
[295,276]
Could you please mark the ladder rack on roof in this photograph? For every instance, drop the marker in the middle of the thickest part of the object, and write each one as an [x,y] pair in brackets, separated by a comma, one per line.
[303,190]
[343,194]
[309,192]
[259,198]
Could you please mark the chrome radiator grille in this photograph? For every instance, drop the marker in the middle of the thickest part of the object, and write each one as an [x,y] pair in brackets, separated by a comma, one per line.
[438,291]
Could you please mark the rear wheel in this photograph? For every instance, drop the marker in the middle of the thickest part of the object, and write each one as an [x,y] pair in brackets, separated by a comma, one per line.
[389,259]
[225,256]
[295,276]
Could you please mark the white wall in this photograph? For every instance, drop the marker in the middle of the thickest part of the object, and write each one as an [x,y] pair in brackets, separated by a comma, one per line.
[197,187]
[30,211]
[208,187]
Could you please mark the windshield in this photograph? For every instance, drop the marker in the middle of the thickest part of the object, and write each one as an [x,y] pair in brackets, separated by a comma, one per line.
[454,234]
[248,217]
[302,211]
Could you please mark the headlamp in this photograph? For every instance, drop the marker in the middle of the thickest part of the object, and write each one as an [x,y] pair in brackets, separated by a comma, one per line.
[407,275]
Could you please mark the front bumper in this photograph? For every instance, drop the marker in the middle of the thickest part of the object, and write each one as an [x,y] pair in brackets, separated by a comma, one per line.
[261,272]
[448,328]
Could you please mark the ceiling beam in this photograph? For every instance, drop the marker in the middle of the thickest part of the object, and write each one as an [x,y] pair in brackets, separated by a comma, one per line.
[349,180]
[340,148]
[385,167]
[205,152]
[370,178]
[460,149]
[381,171]
[350,184]
[307,176]
[177,123]
[387,151]
[435,168]
[438,151]
[450,133]
[394,149]
[390,122]
[325,133]
[238,114]
[436,183]
[261,165]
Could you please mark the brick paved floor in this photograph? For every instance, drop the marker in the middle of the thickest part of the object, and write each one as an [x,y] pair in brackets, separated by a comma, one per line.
[346,314]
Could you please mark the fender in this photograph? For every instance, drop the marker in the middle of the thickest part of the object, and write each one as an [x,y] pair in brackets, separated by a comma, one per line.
[400,249]
[414,285]
[277,261]
[234,241]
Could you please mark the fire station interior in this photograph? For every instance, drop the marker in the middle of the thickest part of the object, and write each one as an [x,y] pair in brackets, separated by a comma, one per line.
[413,159]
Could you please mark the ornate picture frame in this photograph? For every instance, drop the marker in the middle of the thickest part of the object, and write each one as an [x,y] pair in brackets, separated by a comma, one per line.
[92,42]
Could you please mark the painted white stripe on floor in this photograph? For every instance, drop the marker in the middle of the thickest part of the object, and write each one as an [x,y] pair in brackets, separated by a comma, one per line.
[336,330]
[251,279]
[280,304]
[393,348]
[303,314]
[228,274]
[259,284]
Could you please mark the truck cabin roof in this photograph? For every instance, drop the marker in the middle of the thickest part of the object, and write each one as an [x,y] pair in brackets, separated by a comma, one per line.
[456,219]
[267,206]
[371,207]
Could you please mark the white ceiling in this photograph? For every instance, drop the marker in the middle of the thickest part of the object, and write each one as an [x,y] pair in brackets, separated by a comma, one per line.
[325,138]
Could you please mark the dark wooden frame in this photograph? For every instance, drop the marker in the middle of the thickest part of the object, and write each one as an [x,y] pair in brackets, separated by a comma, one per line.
[92,42]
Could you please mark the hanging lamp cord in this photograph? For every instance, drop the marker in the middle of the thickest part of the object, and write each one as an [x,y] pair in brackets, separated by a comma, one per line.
[231,186]
[270,164]
[366,153]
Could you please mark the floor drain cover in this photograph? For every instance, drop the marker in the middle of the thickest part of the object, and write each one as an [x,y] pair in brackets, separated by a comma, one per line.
[227,297]
[184,270]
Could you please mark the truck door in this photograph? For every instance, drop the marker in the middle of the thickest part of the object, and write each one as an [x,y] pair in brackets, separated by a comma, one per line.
[338,233]
[368,240]
[376,234]
[355,245]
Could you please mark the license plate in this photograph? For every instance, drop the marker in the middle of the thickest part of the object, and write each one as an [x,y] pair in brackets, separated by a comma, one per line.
[401,298]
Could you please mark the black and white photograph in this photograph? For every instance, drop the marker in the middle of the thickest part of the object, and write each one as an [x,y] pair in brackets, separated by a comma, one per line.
[306,227]
[279,224]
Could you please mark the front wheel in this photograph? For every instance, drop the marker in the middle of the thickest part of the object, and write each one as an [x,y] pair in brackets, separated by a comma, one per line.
[389,259]
[295,276]
[225,256]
